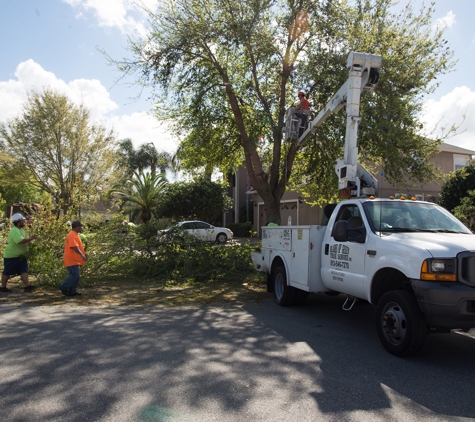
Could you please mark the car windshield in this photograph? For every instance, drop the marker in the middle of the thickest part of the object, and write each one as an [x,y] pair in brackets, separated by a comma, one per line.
[408,216]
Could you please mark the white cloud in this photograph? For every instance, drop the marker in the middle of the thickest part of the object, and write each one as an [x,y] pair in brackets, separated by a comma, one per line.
[449,111]
[140,127]
[446,22]
[31,76]
[122,14]
[143,128]
[93,95]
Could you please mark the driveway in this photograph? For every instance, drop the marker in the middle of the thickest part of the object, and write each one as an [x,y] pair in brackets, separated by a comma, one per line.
[256,362]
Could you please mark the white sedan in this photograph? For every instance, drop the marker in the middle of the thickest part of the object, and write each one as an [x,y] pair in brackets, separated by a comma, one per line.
[201,231]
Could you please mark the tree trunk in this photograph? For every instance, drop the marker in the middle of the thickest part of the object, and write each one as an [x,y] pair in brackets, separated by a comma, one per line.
[273,212]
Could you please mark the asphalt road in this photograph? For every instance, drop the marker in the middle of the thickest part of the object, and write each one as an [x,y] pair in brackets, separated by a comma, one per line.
[259,362]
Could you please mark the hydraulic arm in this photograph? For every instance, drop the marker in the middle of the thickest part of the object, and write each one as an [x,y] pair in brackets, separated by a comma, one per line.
[363,77]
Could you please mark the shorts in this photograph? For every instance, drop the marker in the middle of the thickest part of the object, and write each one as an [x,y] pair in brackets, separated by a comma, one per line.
[15,266]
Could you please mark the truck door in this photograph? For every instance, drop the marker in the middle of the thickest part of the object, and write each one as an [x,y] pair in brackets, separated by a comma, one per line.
[343,263]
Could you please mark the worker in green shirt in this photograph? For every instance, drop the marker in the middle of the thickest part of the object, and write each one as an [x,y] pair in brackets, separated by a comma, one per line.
[130,227]
[14,256]
[83,238]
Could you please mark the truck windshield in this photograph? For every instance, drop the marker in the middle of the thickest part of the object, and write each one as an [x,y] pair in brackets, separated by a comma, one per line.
[408,216]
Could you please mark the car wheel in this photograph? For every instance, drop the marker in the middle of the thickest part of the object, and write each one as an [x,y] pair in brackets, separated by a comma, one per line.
[283,295]
[401,325]
[221,238]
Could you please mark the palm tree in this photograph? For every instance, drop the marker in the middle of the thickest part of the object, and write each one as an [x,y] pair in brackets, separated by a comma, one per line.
[147,156]
[127,156]
[143,158]
[139,195]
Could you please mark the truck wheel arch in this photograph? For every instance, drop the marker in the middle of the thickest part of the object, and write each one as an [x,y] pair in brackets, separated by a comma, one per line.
[279,262]
[284,294]
[387,279]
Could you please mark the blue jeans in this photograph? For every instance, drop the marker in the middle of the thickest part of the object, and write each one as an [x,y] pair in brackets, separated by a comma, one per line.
[72,280]
[303,121]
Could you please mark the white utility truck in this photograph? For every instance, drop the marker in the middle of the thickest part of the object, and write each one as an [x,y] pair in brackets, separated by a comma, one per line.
[412,259]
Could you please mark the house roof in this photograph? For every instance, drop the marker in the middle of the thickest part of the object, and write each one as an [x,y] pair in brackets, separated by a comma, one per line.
[444,147]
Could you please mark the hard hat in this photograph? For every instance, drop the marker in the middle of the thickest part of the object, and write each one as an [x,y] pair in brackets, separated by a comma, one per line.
[301,93]
[17,217]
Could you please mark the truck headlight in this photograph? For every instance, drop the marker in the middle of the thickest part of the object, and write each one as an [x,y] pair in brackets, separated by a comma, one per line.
[437,265]
[439,269]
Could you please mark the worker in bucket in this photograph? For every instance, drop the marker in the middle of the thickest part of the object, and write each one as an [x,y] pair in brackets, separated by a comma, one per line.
[302,111]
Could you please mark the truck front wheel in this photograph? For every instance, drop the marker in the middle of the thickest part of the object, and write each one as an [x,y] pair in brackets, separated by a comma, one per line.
[401,325]
[284,295]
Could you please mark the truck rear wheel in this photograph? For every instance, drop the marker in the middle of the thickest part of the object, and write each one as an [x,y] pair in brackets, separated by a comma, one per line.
[284,295]
[300,296]
[401,325]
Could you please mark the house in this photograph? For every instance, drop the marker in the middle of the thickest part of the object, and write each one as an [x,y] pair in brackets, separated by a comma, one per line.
[296,212]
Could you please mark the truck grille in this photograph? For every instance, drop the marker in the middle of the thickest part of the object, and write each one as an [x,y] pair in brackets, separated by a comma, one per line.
[466,268]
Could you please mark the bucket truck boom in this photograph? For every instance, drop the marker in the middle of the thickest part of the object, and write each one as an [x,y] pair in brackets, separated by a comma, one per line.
[363,77]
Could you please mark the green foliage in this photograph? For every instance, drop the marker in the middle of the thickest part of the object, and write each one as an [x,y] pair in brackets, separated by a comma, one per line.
[148,231]
[202,200]
[457,187]
[241,229]
[3,204]
[108,248]
[140,195]
[184,259]
[390,132]
[111,253]
[227,71]
[465,212]
[54,147]
[22,192]
[45,259]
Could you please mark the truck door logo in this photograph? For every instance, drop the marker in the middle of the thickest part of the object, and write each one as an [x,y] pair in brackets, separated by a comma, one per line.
[339,256]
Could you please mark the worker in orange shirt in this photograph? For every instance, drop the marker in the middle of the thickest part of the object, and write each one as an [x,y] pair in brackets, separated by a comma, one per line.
[74,259]
[302,111]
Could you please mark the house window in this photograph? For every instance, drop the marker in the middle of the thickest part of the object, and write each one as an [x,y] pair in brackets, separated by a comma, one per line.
[418,196]
[460,161]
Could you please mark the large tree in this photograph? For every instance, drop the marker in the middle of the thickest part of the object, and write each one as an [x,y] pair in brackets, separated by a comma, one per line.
[202,200]
[54,146]
[457,187]
[226,71]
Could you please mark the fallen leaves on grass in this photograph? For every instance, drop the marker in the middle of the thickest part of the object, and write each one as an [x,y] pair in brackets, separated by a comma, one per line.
[114,293]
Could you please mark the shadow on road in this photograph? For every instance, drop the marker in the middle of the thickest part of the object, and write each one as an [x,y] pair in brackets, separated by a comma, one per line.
[257,363]
[358,374]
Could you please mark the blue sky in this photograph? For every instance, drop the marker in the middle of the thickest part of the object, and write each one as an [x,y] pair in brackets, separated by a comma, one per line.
[54,43]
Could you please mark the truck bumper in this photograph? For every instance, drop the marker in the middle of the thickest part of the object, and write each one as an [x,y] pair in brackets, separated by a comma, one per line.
[446,305]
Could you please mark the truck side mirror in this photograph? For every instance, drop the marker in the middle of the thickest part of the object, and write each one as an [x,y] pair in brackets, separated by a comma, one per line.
[356,229]
[340,231]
